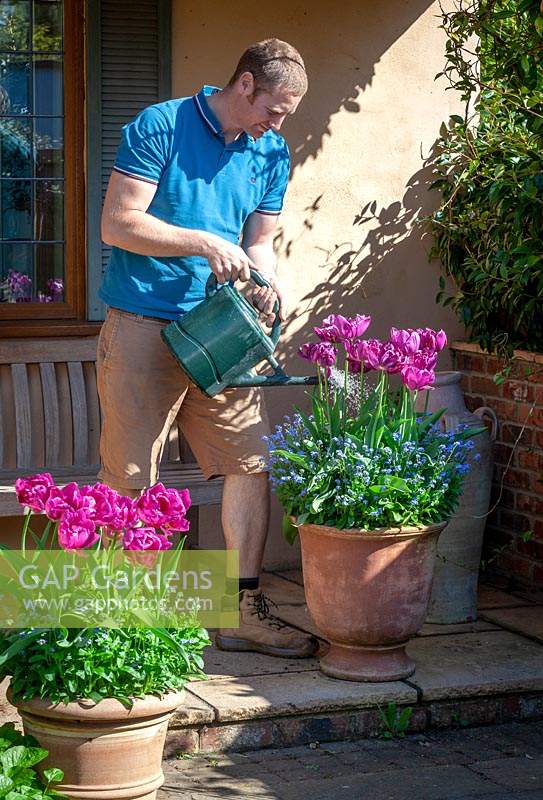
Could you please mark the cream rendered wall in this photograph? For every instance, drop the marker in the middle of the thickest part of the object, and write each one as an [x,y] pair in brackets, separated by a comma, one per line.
[359,138]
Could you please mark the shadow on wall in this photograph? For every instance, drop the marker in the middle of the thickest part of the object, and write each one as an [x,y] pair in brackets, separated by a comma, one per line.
[351,276]
[340,47]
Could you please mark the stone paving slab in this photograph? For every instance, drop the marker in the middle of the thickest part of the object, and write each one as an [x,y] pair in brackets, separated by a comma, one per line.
[221,664]
[465,665]
[295,575]
[432,629]
[514,773]
[527,620]
[282,591]
[491,597]
[194,711]
[295,693]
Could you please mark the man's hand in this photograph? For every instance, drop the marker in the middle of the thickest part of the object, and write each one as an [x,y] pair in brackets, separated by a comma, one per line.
[264,298]
[228,261]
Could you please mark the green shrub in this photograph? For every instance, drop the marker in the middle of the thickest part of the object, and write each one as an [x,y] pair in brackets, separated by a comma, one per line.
[488,230]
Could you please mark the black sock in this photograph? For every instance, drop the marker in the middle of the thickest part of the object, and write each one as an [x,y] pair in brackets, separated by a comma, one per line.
[248,583]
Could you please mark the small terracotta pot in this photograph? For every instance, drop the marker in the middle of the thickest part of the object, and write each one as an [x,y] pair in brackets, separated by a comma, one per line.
[106,751]
[368,592]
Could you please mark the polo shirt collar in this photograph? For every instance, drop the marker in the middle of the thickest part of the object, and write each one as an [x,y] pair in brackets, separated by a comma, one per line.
[204,108]
[211,119]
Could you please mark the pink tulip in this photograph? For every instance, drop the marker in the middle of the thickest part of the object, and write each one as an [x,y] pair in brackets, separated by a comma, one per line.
[126,515]
[417,379]
[145,539]
[424,359]
[432,340]
[69,498]
[164,508]
[321,353]
[106,503]
[390,358]
[336,328]
[34,491]
[407,341]
[76,530]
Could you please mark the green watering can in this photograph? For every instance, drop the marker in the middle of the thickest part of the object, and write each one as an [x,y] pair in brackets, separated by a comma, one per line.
[219,341]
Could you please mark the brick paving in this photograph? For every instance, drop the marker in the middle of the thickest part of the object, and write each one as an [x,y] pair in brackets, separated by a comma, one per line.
[501,762]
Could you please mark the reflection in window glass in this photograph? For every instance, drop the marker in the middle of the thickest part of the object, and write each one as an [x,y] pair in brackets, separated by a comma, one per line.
[15,148]
[31,151]
[15,25]
[49,146]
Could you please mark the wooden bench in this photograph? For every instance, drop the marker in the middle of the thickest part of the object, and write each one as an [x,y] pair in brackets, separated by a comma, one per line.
[50,421]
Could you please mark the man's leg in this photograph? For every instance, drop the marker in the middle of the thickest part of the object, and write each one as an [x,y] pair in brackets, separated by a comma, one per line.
[245,518]
[225,434]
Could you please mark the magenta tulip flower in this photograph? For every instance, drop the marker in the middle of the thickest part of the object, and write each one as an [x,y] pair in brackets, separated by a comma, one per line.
[417,379]
[164,508]
[106,503]
[69,498]
[424,359]
[76,530]
[322,353]
[337,328]
[145,539]
[407,341]
[33,491]
[390,358]
[432,340]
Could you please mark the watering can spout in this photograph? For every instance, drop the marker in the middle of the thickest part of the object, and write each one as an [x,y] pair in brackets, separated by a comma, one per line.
[277,379]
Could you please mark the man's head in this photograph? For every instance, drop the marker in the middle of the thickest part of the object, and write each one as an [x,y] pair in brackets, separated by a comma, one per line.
[267,85]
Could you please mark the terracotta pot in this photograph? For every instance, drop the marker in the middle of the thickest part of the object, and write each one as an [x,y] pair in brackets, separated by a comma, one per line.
[368,593]
[106,751]
[454,591]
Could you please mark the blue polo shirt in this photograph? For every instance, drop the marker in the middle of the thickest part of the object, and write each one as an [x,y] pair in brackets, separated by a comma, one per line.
[202,183]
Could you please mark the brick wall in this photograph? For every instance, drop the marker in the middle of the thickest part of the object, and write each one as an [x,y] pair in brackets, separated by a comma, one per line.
[518,457]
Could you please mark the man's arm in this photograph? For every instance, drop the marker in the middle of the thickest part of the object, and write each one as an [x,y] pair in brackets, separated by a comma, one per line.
[258,236]
[126,224]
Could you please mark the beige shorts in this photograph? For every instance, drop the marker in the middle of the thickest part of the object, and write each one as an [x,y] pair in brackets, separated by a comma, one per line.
[143,391]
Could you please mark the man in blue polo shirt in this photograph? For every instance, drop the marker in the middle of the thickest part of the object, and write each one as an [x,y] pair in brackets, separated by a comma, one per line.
[197,187]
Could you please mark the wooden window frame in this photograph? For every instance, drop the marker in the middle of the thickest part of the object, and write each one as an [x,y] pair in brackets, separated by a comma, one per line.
[69,317]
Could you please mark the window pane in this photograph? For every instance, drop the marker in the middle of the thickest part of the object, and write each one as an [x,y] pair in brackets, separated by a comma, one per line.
[16,203]
[15,25]
[48,85]
[15,148]
[15,80]
[49,217]
[47,26]
[50,273]
[15,273]
[48,143]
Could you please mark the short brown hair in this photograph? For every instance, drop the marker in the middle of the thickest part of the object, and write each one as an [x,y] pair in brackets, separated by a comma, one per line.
[273,64]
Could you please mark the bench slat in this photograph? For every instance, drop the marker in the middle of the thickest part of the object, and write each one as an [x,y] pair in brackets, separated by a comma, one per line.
[28,351]
[23,429]
[79,412]
[51,413]
[187,476]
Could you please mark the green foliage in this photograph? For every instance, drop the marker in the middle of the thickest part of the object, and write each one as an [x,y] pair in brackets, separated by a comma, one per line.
[68,664]
[19,780]
[488,165]
[395,722]
[379,466]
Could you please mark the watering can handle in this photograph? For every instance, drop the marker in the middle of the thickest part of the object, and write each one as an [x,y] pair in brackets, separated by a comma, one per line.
[256,277]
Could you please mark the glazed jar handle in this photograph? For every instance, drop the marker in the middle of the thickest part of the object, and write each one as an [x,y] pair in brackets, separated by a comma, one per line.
[485,411]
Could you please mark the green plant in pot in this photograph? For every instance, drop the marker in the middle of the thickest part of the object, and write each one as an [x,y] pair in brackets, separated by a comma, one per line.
[369,483]
[99,699]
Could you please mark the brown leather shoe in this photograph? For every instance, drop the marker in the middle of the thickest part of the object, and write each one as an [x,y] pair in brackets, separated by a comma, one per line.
[261,632]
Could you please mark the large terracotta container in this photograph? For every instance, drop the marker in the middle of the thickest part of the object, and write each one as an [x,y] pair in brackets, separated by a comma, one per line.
[368,593]
[106,751]
[454,592]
